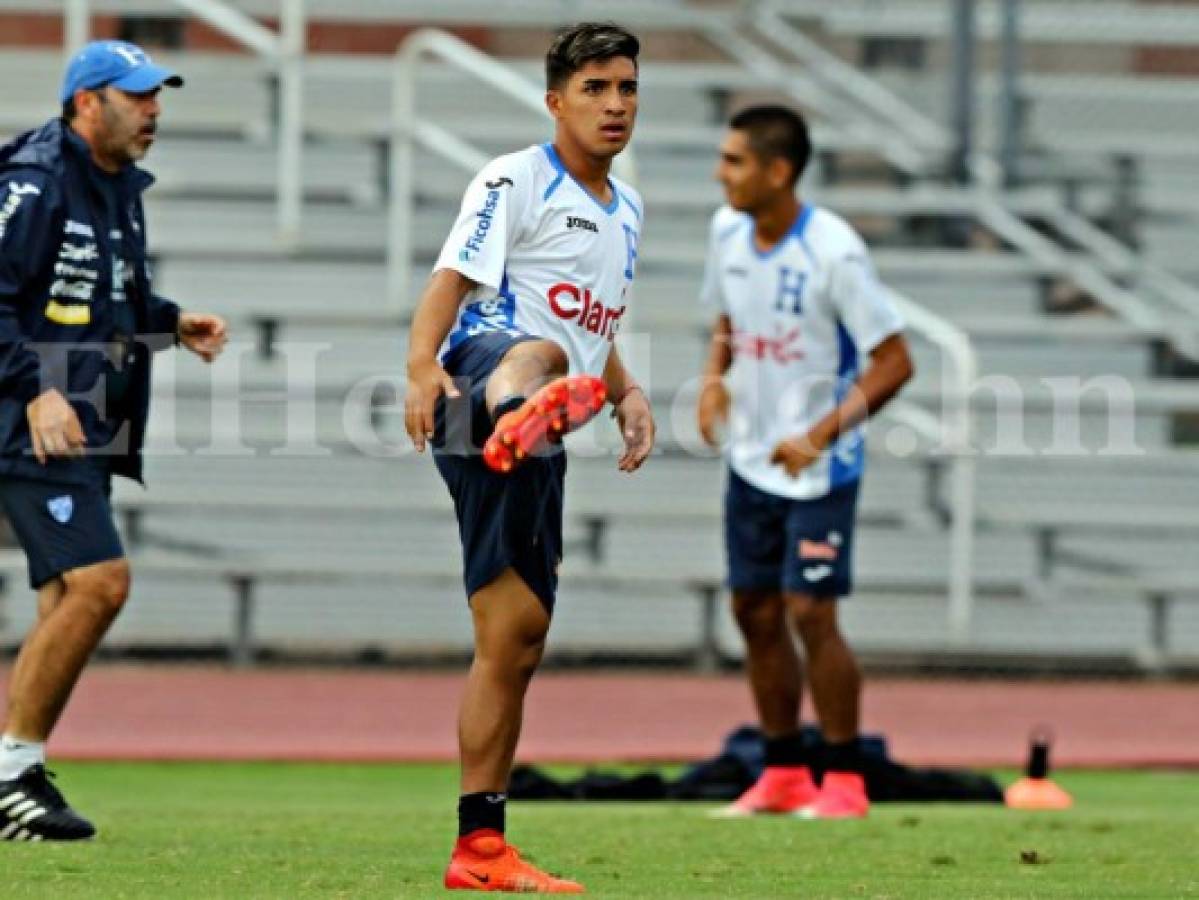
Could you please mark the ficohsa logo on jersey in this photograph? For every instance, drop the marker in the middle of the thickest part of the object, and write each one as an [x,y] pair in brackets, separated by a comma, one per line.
[474,243]
[587,311]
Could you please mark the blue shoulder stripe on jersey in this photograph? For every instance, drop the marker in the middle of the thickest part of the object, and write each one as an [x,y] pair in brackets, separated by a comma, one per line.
[847,457]
[633,206]
[795,231]
[802,220]
[557,164]
[799,230]
[552,155]
[729,231]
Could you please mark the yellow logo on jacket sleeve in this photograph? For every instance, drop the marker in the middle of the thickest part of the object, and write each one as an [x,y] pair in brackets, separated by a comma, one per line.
[68,313]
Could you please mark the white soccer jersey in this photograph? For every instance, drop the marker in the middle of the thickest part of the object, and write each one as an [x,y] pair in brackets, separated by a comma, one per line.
[801,316]
[549,258]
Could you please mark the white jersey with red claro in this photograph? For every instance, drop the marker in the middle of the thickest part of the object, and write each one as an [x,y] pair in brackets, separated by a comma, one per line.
[803,314]
[549,258]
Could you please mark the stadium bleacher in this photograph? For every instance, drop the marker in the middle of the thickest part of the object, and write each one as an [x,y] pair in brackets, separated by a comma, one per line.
[348,545]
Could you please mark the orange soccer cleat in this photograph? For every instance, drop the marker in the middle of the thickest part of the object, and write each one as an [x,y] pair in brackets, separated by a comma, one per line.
[484,861]
[780,789]
[562,406]
[842,796]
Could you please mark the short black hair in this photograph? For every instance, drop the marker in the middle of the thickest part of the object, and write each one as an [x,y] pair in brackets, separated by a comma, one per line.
[776,131]
[576,45]
[70,111]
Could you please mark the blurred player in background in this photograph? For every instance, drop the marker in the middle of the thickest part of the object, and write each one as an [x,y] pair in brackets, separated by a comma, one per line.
[78,322]
[512,347]
[798,311]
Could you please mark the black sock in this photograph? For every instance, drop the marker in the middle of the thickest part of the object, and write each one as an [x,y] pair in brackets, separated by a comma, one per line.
[484,809]
[506,405]
[786,750]
[842,757]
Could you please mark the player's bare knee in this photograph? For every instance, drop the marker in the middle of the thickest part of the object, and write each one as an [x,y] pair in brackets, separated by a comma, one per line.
[103,587]
[540,360]
[554,358]
[758,615]
[815,619]
[528,658]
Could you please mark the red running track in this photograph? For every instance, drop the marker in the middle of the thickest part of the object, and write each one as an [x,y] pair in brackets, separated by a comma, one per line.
[196,712]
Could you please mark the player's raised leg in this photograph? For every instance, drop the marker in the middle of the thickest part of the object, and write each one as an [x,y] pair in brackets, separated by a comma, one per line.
[510,625]
[836,683]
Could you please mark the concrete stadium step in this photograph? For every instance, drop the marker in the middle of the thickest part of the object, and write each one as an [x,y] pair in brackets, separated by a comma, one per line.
[678,489]
[189,167]
[301,288]
[304,286]
[1065,103]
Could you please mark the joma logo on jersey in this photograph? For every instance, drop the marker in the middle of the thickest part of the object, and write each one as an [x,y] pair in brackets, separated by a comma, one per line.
[579,222]
[586,310]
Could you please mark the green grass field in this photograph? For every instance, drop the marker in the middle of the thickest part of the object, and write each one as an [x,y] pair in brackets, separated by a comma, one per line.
[256,830]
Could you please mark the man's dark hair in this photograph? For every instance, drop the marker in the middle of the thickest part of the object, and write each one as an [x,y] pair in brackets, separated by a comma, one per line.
[70,111]
[776,131]
[577,45]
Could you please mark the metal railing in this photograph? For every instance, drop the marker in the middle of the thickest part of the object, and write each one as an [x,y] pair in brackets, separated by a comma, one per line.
[284,51]
[921,132]
[955,443]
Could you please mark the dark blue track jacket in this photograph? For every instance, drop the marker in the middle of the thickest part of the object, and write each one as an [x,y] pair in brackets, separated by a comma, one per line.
[74,276]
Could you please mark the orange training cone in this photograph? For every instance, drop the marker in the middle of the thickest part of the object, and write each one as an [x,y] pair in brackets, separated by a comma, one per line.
[1035,790]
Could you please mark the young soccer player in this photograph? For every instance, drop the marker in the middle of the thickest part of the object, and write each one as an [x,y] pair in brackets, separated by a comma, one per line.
[799,310]
[524,303]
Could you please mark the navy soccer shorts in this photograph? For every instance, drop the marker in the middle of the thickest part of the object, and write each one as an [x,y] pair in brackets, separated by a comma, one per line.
[61,525]
[505,521]
[775,543]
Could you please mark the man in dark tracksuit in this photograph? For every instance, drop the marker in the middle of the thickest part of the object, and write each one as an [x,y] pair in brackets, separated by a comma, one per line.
[78,325]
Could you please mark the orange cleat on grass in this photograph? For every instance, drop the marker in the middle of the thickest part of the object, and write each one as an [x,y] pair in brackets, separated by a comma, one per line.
[484,861]
[562,406]
[779,790]
[842,796]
